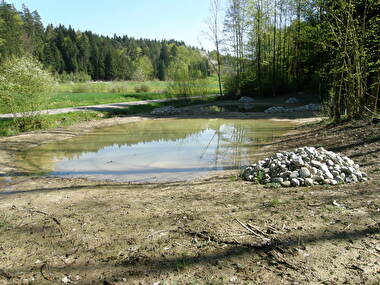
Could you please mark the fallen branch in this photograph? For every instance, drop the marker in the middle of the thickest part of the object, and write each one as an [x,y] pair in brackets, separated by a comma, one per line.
[253,232]
[367,250]
[257,229]
[5,274]
[55,220]
[207,237]
[48,278]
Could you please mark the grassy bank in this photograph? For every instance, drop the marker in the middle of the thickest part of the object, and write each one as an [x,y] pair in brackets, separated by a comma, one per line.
[7,126]
[94,93]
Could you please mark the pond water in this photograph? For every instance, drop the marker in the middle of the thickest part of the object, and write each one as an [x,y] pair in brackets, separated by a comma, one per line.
[156,150]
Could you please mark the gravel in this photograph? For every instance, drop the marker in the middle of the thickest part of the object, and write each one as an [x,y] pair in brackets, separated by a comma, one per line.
[165,111]
[282,109]
[245,99]
[305,166]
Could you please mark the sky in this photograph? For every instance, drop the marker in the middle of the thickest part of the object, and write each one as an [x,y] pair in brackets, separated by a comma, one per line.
[183,20]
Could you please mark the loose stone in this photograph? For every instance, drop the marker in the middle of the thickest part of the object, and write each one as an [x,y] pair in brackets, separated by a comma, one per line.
[295,182]
[304,172]
[309,182]
[305,166]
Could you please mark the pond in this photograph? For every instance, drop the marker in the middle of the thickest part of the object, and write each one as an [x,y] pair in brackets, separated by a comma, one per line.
[156,150]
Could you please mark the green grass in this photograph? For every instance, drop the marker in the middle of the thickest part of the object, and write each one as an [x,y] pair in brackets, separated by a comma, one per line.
[95,93]
[7,127]
[63,100]
[272,185]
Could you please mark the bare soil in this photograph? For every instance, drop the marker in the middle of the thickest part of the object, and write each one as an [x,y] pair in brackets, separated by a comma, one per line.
[219,230]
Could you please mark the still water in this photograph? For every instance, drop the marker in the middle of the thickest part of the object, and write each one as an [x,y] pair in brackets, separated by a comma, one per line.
[157,150]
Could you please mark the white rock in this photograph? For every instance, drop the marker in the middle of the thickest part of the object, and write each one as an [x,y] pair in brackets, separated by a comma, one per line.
[295,182]
[245,99]
[304,172]
[165,111]
[306,166]
[294,174]
[309,182]
[286,183]
[328,175]
[277,180]
[292,100]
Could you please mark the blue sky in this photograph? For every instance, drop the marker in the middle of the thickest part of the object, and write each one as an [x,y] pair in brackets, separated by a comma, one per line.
[155,19]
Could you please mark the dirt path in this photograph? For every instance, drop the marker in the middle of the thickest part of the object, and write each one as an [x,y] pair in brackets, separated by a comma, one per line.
[74,231]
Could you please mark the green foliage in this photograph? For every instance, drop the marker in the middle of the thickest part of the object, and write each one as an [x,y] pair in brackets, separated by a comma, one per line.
[231,85]
[260,177]
[144,69]
[331,47]
[143,88]
[187,87]
[8,126]
[273,203]
[180,265]
[68,51]
[73,77]
[24,90]
[273,185]
[4,222]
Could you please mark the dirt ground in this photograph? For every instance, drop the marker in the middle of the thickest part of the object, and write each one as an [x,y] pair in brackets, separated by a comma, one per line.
[219,230]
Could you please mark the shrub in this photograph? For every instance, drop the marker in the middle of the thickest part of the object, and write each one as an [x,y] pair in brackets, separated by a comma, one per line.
[143,88]
[24,90]
[118,88]
[73,77]
[231,85]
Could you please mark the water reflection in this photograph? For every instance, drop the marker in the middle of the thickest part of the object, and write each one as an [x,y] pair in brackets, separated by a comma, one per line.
[156,150]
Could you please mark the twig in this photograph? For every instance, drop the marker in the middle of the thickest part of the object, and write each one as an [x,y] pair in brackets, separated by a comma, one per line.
[252,232]
[367,250]
[257,229]
[50,216]
[42,272]
[5,274]
[346,228]
[274,230]
[314,205]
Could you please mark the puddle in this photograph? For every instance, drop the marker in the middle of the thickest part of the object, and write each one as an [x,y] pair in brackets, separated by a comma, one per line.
[156,150]
[236,108]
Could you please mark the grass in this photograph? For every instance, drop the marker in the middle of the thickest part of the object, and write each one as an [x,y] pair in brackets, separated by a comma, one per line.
[7,127]
[4,222]
[272,185]
[95,93]
[63,100]
[272,203]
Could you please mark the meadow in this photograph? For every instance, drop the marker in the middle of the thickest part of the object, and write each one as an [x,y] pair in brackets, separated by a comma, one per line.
[75,94]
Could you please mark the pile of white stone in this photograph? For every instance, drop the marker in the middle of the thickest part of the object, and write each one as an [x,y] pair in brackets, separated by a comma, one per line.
[292,100]
[305,166]
[165,111]
[245,99]
[282,109]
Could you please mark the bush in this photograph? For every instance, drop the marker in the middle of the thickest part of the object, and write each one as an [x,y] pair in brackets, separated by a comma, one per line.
[24,90]
[118,88]
[73,77]
[231,85]
[143,88]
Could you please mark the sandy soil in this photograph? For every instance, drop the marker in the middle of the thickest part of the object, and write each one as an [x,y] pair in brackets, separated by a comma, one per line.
[75,231]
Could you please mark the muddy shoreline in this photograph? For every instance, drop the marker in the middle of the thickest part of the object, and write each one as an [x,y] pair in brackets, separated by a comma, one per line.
[100,232]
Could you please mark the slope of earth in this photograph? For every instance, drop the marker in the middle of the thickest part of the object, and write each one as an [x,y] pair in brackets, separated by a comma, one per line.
[215,231]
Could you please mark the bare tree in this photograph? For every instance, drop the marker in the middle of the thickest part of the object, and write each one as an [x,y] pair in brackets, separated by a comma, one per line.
[214,34]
